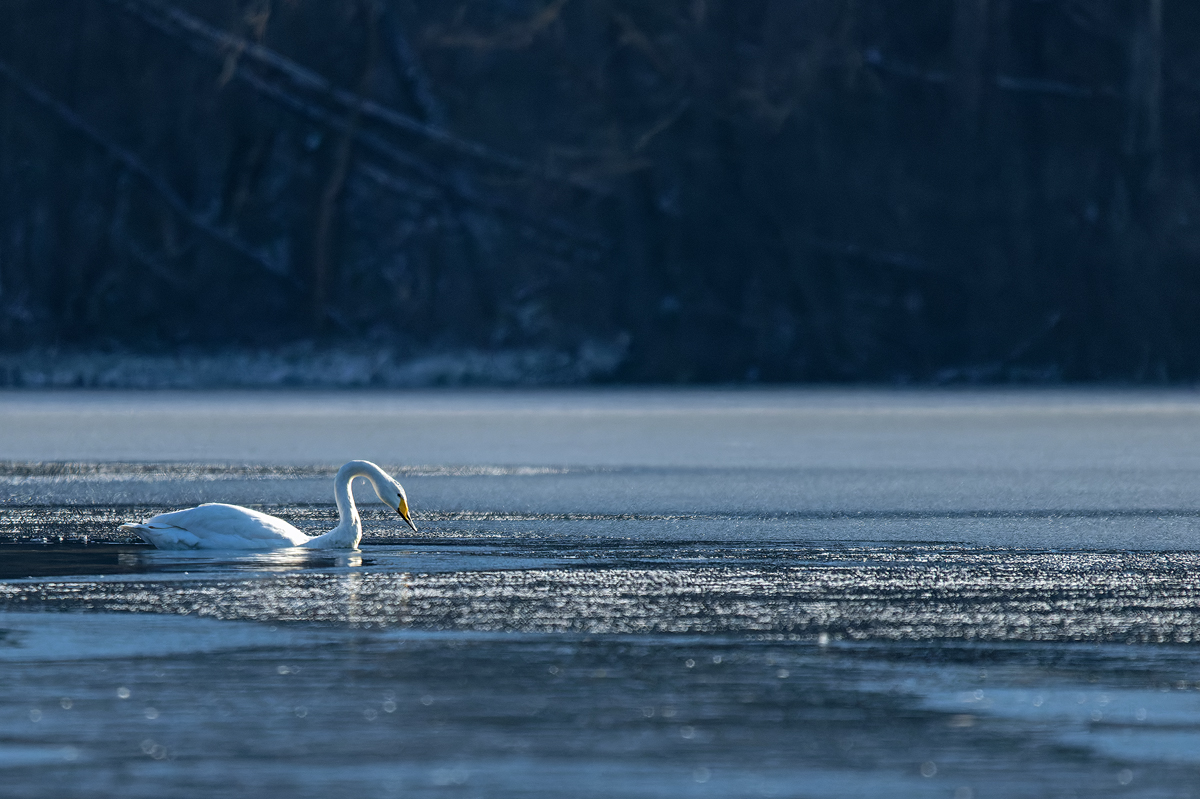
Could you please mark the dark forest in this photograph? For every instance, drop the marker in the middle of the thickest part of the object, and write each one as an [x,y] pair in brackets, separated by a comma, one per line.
[674,190]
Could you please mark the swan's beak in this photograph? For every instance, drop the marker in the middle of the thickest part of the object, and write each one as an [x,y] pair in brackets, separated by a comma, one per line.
[402,509]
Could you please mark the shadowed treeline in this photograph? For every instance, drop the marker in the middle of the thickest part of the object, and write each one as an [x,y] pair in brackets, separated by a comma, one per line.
[950,190]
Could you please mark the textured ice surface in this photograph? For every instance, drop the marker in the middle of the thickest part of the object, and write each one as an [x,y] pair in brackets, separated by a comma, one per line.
[402,713]
[613,594]
[865,593]
[1108,469]
[821,429]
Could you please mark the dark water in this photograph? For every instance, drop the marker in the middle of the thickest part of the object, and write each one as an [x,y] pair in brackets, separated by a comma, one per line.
[988,616]
[527,664]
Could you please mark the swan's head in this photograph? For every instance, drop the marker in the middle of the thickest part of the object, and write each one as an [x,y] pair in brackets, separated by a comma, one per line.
[394,497]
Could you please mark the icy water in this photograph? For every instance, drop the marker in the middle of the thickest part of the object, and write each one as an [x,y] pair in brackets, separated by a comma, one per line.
[612,594]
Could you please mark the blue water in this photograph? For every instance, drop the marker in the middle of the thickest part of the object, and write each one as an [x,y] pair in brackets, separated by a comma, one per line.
[613,593]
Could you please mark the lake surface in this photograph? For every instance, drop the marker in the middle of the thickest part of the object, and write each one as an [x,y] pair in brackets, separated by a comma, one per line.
[613,593]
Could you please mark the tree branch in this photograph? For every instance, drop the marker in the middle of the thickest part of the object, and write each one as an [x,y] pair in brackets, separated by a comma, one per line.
[174,22]
[873,57]
[135,166]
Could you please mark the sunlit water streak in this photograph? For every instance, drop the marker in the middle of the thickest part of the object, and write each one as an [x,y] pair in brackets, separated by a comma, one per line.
[545,586]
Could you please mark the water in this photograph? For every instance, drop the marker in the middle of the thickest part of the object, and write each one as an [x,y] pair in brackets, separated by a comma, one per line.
[613,593]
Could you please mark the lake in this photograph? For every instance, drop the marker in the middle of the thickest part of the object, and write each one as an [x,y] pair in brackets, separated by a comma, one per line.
[613,593]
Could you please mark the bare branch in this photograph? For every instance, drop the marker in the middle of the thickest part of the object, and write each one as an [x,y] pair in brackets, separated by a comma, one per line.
[447,183]
[408,67]
[667,121]
[174,22]
[511,37]
[135,166]
[875,58]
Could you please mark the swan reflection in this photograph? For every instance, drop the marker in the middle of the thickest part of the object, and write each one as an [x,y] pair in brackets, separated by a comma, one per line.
[274,560]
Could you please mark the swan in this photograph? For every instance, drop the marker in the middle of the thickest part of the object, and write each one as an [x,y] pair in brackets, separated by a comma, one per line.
[218,526]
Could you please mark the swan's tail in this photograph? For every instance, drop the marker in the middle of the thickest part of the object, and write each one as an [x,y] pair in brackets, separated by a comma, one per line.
[162,536]
[139,529]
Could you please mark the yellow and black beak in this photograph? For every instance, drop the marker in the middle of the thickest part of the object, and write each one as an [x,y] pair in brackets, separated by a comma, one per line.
[402,509]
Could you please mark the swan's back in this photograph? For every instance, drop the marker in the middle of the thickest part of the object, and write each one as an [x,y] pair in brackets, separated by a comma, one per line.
[217,526]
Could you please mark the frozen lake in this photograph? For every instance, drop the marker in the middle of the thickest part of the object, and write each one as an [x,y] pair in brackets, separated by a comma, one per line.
[614,593]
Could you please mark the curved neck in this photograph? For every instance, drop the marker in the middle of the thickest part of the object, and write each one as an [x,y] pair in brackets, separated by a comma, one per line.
[349,529]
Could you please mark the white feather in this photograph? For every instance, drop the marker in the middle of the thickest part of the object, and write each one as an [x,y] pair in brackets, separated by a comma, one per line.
[217,526]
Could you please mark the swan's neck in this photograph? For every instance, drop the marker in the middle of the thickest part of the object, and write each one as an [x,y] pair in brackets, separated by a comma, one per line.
[348,532]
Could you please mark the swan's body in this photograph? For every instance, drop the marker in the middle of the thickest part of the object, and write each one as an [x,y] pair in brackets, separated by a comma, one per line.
[218,526]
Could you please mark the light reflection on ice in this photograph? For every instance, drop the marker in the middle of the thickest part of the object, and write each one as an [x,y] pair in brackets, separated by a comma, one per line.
[853,593]
[1143,745]
[42,637]
[533,715]
[1122,703]
[927,601]
[17,755]
[978,648]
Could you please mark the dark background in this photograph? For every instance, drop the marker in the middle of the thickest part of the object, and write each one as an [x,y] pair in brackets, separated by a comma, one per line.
[834,190]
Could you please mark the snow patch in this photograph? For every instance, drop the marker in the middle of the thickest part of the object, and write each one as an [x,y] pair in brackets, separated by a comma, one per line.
[334,368]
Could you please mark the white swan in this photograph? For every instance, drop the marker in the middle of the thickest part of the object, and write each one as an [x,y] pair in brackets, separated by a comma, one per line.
[217,526]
